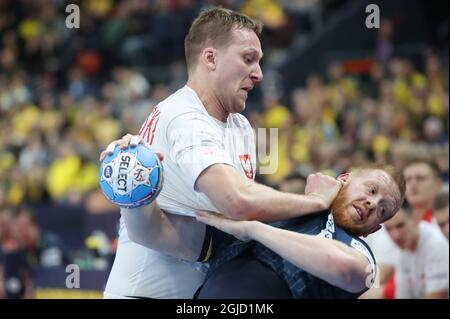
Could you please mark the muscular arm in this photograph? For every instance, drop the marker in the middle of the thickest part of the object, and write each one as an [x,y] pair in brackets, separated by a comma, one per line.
[183,237]
[330,260]
[239,198]
[175,235]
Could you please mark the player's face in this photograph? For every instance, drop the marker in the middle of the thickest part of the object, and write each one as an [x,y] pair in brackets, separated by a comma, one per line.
[400,229]
[367,199]
[421,184]
[238,69]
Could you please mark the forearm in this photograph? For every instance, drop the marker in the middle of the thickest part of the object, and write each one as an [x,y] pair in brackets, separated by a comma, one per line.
[324,258]
[241,199]
[175,235]
[259,202]
[267,204]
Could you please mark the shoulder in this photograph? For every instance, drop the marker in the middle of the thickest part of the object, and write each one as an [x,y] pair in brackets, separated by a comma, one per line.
[240,120]
[183,106]
[181,101]
[361,245]
[431,239]
[354,242]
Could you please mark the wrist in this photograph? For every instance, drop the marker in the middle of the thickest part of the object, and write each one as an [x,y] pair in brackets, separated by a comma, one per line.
[317,201]
[136,210]
[251,228]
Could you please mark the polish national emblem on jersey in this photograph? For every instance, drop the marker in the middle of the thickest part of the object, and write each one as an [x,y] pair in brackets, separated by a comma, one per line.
[131,177]
[246,165]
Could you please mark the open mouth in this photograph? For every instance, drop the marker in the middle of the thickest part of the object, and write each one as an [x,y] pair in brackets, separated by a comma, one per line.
[359,212]
[243,93]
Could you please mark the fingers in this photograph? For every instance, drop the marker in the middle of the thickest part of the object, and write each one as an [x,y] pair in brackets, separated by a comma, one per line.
[135,140]
[102,156]
[109,150]
[131,140]
[211,219]
[124,142]
[203,217]
[160,156]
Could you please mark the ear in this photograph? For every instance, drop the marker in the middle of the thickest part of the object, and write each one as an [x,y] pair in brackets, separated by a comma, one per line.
[208,57]
[344,178]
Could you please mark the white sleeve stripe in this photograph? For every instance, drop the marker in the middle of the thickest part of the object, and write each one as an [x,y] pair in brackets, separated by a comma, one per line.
[363,249]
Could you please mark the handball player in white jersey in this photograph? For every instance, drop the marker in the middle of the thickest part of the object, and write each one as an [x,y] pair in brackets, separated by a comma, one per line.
[209,164]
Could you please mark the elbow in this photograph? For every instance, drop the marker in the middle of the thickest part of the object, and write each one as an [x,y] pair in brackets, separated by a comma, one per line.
[238,207]
[349,277]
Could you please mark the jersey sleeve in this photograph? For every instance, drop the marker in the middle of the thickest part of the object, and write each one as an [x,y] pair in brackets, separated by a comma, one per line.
[364,249]
[195,143]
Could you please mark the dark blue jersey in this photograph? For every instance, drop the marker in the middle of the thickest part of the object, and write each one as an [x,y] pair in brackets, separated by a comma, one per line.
[301,283]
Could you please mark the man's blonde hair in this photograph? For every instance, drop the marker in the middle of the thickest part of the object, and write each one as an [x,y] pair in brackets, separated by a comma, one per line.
[212,27]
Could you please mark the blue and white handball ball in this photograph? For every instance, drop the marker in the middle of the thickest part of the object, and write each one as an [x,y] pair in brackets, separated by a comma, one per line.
[131,177]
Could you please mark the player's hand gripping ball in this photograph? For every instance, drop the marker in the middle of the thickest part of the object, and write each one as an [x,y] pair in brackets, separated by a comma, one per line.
[131,177]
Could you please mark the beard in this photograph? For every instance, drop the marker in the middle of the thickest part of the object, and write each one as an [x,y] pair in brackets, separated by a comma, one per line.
[342,217]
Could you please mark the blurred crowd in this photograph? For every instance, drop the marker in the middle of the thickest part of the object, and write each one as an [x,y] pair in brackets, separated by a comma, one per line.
[337,121]
[65,94]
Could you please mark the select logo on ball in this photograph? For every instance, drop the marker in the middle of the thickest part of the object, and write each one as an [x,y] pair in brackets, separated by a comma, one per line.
[107,172]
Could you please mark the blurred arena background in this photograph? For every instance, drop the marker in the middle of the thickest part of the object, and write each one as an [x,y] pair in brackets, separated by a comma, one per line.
[339,93]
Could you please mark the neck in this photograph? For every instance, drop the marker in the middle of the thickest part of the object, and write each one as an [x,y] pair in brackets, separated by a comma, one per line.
[212,104]
[414,238]
[419,210]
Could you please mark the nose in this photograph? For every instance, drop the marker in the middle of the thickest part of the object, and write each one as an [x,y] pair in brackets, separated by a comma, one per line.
[369,207]
[371,204]
[395,235]
[257,74]
[412,182]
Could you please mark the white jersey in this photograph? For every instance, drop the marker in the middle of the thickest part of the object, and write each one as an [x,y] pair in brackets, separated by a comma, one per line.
[191,141]
[383,247]
[424,270]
